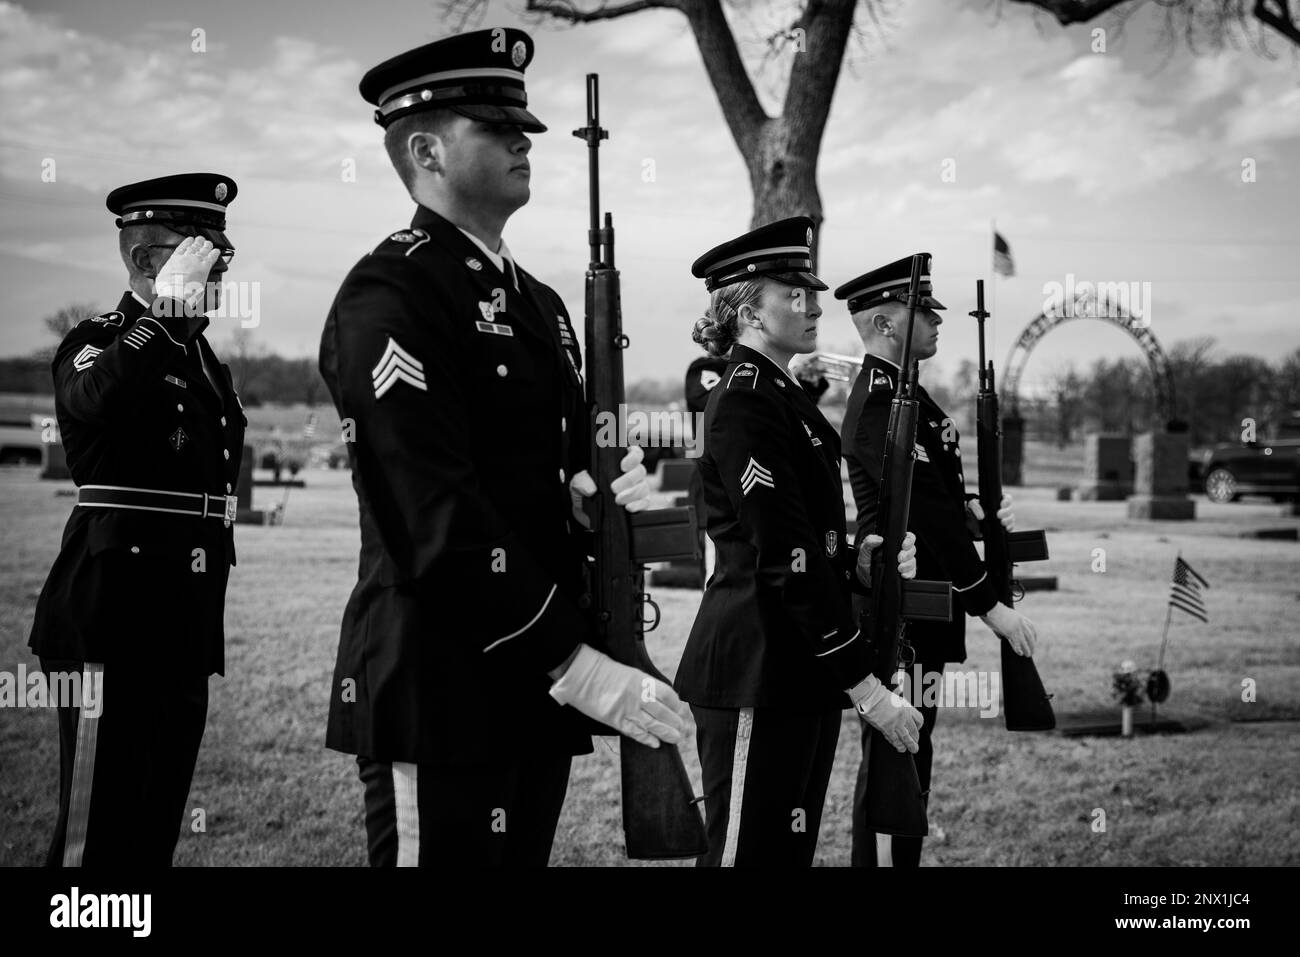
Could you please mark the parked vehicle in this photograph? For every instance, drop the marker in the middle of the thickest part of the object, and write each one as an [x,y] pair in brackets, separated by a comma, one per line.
[1264,467]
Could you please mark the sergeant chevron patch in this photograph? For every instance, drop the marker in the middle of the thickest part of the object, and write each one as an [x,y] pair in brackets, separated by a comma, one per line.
[921,454]
[755,474]
[397,365]
[85,358]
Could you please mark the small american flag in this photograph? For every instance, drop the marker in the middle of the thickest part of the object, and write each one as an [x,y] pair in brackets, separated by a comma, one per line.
[309,430]
[1002,262]
[1185,590]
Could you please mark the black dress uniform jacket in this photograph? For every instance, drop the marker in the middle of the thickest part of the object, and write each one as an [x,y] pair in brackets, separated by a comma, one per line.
[944,546]
[775,626]
[465,403]
[135,409]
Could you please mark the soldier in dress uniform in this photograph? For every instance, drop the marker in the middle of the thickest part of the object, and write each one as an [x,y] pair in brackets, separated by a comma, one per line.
[132,609]
[774,654]
[457,376]
[939,511]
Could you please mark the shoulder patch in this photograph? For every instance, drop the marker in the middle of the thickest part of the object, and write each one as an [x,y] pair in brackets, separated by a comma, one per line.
[85,358]
[745,374]
[396,365]
[415,238]
[114,318]
[880,380]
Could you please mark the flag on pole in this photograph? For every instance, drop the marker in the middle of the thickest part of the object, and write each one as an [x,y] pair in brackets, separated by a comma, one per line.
[1002,262]
[1185,590]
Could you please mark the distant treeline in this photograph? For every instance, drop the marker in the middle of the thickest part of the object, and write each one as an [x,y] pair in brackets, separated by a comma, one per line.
[1213,396]
[258,379]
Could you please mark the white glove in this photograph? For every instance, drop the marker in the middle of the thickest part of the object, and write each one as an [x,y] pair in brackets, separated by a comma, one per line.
[1018,630]
[888,713]
[627,699]
[185,274]
[631,490]
[906,558]
[1005,515]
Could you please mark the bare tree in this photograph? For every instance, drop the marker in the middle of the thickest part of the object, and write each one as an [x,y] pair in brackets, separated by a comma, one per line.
[61,323]
[1066,387]
[242,354]
[780,152]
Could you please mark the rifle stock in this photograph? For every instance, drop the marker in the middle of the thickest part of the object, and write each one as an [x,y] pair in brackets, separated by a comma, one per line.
[894,802]
[1026,705]
[660,817]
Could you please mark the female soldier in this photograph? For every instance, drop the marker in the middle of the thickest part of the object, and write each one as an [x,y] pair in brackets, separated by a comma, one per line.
[774,647]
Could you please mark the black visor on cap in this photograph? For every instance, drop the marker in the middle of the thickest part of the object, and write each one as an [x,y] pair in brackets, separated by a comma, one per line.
[805,279]
[488,113]
[214,236]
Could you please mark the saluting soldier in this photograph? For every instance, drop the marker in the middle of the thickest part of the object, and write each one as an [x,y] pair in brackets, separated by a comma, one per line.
[774,654]
[458,375]
[134,604]
[945,547]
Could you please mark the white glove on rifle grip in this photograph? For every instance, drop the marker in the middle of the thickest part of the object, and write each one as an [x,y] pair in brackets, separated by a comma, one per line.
[888,713]
[626,699]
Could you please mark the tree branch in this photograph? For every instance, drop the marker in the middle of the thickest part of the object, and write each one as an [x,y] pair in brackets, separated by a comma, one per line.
[567,10]
[744,114]
[827,24]
[1073,11]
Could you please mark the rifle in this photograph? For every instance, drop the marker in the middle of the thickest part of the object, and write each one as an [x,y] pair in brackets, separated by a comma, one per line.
[1026,704]
[660,816]
[894,802]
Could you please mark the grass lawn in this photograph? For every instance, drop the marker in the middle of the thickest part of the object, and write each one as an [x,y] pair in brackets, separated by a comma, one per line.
[1227,794]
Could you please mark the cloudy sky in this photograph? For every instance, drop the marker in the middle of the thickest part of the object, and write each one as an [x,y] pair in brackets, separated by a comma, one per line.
[1122,166]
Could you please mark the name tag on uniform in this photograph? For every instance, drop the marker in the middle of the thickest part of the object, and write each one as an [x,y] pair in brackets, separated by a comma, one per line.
[494,328]
[175,381]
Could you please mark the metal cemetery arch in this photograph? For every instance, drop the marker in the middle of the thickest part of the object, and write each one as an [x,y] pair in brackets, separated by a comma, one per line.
[1088,306]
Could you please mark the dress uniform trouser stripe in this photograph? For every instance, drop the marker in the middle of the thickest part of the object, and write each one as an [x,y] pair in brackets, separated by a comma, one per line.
[884,850]
[406,793]
[739,763]
[83,769]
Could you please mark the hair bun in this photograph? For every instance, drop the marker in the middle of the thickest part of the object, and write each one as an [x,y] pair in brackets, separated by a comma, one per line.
[716,338]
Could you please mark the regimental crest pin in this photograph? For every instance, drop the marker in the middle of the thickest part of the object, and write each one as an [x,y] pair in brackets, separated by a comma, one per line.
[832,544]
[473,263]
[403,236]
[110,318]
[220,192]
[486,309]
[178,439]
[518,53]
